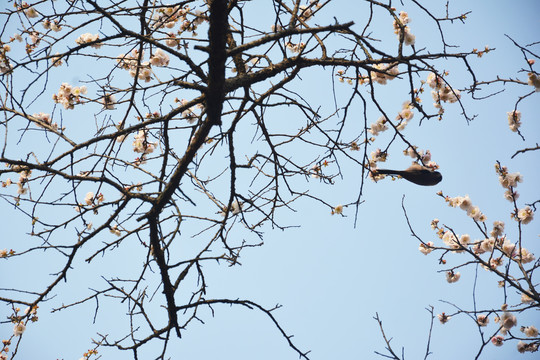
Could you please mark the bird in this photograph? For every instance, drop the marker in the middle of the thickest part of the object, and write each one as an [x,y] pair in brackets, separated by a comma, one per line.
[416,173]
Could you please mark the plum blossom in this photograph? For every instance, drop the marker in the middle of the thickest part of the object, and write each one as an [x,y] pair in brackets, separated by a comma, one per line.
[525,255]
[160,58]
[497,340]
[141,144]
[379,126]
[525,215]
[452,276]
[534,80]
[108,101]
[514,120]
[443,318]
[338,210]
[401,27]
[31,12]
[44,121]
[426,248]
[385,72]
[529,331]
[523,347]
[69,95]
[526,299]
[508,320]
[19,329]
[87,38]
[498,229]
[435,81]
[482,320]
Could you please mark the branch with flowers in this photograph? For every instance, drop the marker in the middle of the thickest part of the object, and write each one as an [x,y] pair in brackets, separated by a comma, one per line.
[171,138]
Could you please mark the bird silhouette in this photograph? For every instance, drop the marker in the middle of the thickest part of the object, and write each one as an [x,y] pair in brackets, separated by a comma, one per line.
[416,173]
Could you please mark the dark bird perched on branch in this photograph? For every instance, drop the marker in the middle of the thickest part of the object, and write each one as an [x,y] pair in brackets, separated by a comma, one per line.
[416,173]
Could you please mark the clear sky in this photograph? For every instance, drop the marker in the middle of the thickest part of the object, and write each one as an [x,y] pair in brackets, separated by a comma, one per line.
[330,276]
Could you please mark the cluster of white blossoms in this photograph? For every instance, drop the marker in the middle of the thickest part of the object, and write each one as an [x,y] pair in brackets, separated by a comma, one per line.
[24,175]
[69,95]
[441,91]
[425,156]
[401,27]
[142,146]
[378,156]
[305,12]
[169,17]
[426,248]
[405,115]
[130,62]
[384,72]
[5,65]
[514,120]
[45,121]
[51,25]
[509,181]
[457,245]
[534,80]
[507,321]
[141,143]
[28,10]
[464,203]
[379,126]
[160,58]
[91,200]
[87,38]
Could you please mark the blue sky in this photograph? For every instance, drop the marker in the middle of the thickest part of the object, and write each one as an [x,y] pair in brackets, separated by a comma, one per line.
[331,277]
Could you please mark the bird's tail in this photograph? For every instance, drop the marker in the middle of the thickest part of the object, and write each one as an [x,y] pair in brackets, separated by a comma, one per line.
[386,171]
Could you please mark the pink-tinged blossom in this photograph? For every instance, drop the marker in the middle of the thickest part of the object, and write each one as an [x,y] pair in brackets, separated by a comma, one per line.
[523,347]
[443,318]
[497,340]
[530,331]
[508,320]
[482,320]
[426,248]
